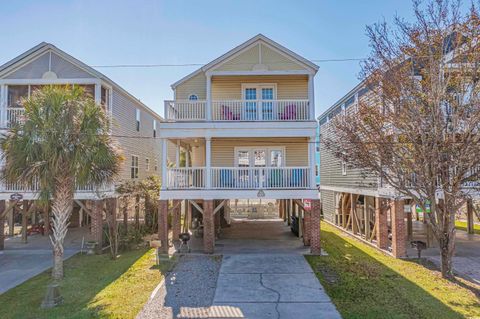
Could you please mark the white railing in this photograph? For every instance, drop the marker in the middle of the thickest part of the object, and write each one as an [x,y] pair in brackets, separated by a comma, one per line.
[185,110]
[20,188]
[14,115]
[260,177]
[186,178]
[239,110]
[260,110]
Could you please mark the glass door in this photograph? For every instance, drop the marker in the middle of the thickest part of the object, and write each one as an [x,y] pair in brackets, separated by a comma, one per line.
[250,107]
[267,103]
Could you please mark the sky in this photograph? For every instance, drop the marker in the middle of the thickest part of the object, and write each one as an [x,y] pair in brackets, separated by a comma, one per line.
[113,32]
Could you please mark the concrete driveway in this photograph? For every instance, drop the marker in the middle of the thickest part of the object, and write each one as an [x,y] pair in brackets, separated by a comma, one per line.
[269,286]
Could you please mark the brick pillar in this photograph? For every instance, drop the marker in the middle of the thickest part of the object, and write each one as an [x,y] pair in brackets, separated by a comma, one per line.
[163,225]
[381,221]
[398,229]
[97,223]
[307,223]
[208,227]
[315,248]
[470,224]
[176,220]
[111,208]
[2,224]
[25,208]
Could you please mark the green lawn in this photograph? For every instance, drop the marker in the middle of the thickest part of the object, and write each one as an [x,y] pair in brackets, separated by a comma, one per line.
[463,226]
[365,283]
[94,287]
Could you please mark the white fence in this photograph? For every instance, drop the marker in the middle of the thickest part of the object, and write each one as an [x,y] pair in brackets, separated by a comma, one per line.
[185,110]
[186,178]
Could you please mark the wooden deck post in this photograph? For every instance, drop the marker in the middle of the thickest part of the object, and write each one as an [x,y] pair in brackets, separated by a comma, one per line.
[381,221]
[470,223]
[315,246]
[25,208]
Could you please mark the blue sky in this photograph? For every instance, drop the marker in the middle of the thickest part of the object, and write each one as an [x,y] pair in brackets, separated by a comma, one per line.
[176,32]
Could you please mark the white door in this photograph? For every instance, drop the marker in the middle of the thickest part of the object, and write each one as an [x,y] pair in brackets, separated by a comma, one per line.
[259,103]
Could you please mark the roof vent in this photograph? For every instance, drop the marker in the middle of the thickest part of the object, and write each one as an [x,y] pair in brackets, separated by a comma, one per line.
[49,75]
[260,67]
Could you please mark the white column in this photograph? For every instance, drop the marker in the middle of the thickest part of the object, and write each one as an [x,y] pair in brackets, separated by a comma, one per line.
[3,105]
[163,142]
[187,156]
[98,93]
[311,96]
[208,110]
[208,156]
[177,155]
[312,160]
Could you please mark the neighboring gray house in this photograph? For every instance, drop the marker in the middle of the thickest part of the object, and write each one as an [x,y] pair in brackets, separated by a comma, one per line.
[134,125]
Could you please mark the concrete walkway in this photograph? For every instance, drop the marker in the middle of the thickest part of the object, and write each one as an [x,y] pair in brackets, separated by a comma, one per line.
[20,262]
[269,286]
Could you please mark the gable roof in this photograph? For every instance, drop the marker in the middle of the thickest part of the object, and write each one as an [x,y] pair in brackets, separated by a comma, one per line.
[44,47]
[256,39]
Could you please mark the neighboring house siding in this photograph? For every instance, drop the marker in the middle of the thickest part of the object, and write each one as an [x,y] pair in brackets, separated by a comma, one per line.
[248,59]
[35,69]
[124,125]
[331,168]
[288,87]
[296,150]
[328,205]
[195,85]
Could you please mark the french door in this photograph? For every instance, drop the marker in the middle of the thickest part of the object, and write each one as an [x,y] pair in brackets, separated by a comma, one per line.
[258,101]
[253,164]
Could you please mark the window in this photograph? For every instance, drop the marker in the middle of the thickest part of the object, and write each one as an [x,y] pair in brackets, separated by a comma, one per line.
[317,171]
[134,167]
[104,98]
[344,168]
[156,166]
[193,97]
[317,146]
[15,95]
[276,158]
[147,164]
[154,128]
[137,117]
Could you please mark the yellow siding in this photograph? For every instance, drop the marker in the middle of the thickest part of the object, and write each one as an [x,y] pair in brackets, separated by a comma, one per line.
[288,86]
[251,57]
[195,85]
[223,150]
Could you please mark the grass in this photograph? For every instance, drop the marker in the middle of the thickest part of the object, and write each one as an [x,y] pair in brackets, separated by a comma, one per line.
[94,287]
[365,283]
[461,225]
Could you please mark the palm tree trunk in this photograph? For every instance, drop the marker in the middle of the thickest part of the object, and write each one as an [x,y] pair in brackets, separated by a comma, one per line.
[62,205]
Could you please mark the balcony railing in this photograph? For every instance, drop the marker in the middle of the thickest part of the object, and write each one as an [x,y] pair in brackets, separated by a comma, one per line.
[13,115]
[19,188]
[240,178]
[239,110]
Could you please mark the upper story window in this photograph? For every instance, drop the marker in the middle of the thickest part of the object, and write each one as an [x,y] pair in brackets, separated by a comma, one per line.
[104,98]
[156,165]
[137,118]
[134,167]
[16,93]
[154,128]
[193,97]
[147,164]
[344,168]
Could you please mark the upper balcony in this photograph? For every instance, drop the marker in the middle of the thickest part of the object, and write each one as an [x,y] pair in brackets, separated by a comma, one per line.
[239,110]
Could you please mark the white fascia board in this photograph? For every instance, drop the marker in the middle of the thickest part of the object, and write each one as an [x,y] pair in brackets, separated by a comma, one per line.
[238,194]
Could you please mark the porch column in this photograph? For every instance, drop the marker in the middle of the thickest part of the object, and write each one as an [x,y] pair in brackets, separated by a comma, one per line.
[2,224]
[11,219]
[312,161]
[163,142]
[208,227]
[208,110]
[3,105]
[97,223]
[381,221]
[163,225]
[25,207]
[177,154]
[399,248]
[311,97]
[315,248]
[470,224]
[208,156]
[176,219]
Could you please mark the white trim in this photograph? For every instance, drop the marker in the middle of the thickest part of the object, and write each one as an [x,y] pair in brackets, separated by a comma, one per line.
[260,72]
[83,81]
[238,194]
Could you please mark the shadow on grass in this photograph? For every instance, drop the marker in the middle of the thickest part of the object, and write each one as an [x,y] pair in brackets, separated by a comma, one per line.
[364,283]
[85,278]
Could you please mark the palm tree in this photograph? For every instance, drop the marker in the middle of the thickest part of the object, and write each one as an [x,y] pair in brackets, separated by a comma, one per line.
[63,142]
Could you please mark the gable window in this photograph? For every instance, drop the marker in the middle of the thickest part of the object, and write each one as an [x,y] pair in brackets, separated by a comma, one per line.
[147,164]
[137,117]
[134,167]
[193,97]
[154,128]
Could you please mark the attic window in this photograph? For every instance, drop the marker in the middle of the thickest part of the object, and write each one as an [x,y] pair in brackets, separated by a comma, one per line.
[193,97]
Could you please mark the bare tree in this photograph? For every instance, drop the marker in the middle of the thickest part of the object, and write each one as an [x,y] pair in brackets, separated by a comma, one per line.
[417,127]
